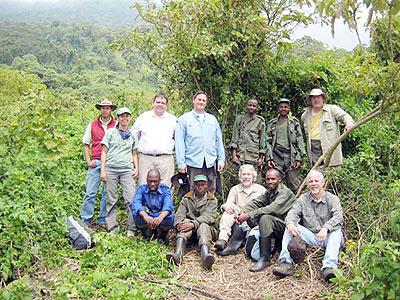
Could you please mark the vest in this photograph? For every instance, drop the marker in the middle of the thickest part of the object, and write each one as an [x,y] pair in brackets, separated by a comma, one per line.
[97,136]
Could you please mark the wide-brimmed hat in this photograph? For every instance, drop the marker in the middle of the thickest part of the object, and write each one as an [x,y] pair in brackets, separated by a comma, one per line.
[105,102]
[123,110]
[315,92]
[297,249]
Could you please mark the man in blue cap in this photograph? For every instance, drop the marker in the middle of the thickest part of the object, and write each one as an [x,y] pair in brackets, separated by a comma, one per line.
[195,218]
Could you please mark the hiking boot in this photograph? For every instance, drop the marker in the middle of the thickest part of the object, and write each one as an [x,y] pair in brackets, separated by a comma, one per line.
[207,259]
[283,269]
[220,245]
[265,255]
[235,242]
[297,249]
[176,258]
[328,274]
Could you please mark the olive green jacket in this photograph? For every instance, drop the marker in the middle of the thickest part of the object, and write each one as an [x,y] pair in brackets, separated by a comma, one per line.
[198,211]
[248,137]
[276,203]
[332,116]
[297,149]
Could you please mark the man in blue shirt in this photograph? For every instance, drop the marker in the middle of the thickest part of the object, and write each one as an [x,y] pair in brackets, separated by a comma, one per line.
[199,146]
[152,208]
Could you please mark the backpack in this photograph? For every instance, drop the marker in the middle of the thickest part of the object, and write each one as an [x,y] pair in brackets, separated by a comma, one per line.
[79,235]
[252,247]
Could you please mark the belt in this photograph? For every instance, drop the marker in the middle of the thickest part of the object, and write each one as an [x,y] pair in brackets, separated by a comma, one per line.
[156,155]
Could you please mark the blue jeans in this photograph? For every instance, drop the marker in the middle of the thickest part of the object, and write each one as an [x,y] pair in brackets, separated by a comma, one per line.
[332,244]
[92,185]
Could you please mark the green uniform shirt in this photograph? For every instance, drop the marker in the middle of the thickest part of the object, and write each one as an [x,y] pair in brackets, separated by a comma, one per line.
[119,154]
[282,137]
[276,203]
[198,211]
[248,137]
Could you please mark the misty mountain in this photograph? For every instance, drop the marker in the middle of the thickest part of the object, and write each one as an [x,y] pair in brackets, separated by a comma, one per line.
[106,12]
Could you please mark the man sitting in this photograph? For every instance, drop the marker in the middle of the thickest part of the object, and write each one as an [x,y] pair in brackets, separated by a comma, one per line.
[152,207]
[321,215]
[196,216]
[238,197]
[268,212]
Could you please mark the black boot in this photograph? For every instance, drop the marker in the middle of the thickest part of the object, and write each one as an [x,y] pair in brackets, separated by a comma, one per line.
[207,259]
[265,255]
[235,242]
[177,257]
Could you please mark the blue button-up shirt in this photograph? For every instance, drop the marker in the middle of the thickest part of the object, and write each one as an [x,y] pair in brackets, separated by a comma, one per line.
[196,141]
[152,202]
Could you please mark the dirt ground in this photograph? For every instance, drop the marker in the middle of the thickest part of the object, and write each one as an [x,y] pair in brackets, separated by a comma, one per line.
[230,279]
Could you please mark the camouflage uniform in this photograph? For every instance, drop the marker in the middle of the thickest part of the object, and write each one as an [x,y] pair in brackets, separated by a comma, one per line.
[284,158]
[202,213]
[248,139]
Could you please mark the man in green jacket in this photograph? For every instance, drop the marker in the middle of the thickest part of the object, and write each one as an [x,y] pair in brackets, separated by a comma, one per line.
[196,216]
[268,212]
[285,145]
[248,135]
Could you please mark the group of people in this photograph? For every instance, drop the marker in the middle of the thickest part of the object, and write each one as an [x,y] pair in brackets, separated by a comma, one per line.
[260,213]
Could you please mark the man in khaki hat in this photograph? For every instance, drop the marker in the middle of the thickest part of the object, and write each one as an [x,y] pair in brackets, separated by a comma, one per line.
[94,133]
[285,145]
[321,125]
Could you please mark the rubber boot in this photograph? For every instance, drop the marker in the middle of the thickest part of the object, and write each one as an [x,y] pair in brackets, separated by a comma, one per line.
[265,255]
[207,259]
[177,257]
[235,242]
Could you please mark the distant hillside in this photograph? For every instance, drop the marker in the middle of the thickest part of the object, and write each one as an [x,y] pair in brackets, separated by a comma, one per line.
[106,12]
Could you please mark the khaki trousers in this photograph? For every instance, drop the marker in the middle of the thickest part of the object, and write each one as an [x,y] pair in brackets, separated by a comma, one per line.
[225,226]
[205,234]
[164,163]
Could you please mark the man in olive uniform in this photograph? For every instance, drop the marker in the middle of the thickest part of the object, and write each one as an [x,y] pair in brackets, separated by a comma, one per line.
[268,212]
[247,146]
[285,145]
[196,216]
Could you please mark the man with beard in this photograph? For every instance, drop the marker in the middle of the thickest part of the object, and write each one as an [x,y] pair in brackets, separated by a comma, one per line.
[238,197]
[285,145]
[248,134]
[268,212]
[321,216]
[196,218]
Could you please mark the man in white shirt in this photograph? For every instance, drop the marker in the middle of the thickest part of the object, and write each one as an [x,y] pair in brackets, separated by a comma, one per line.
[154,136]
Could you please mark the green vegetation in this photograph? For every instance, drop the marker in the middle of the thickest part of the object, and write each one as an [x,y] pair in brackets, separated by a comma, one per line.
[52,74]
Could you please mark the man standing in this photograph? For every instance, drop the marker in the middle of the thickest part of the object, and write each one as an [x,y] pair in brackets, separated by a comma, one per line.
[196,217]
[154,134]
[152,207]
[285,145]
[268,212]
[94,133]
[321,125]
[321,215]
[198,143]
[247,146]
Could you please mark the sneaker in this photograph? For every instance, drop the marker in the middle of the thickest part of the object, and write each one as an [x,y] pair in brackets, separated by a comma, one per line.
[220,245]
[131,233]
[283,269]
[328,274]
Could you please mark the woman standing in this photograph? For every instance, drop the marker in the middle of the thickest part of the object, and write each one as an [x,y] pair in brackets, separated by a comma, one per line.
[119,165]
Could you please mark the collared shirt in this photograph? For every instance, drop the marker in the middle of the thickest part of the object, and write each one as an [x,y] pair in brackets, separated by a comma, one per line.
[238,197]
[276,203]
[155,134]
[196,141]
[151,202]
[87,136]
[326,213]
[119,154]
